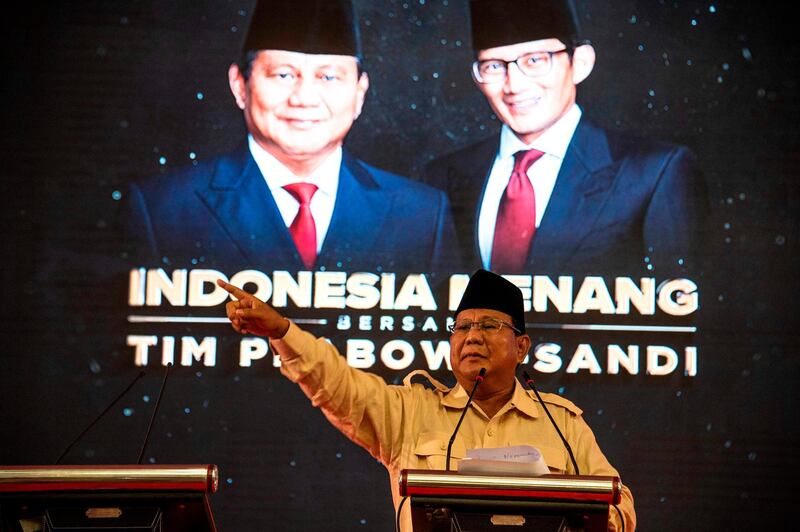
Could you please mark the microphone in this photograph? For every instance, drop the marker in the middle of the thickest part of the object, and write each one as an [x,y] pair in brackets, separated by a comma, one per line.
[529,382]
[155,410]
[478,380]
[93,423]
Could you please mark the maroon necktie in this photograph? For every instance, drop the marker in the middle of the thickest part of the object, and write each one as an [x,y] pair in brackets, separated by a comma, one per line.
[303,229]
[516,217]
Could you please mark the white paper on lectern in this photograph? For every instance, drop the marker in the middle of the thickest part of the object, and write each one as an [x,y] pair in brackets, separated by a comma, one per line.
[522,460]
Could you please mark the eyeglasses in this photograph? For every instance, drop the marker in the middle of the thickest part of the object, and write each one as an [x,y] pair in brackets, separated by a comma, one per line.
[532,64]
[488,326]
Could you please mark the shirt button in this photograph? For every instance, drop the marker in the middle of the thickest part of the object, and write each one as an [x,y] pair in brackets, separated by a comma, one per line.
[490,432]
[443,446]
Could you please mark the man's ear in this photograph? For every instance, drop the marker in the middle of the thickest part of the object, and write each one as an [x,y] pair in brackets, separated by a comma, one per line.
[582,62]
[363,85]
[238,85]
[523,346]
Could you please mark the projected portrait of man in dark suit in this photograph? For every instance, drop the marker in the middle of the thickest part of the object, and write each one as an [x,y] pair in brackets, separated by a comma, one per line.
[291,197]
[553,192]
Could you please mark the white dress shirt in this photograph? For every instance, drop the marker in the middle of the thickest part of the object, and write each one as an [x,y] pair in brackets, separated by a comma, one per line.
[326,177]
[542,174]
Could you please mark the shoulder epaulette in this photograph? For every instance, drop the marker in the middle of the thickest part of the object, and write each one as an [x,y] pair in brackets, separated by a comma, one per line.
[436,384]
[554,399]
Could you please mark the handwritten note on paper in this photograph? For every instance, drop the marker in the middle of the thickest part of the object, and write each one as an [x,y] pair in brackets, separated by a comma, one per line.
[522,460]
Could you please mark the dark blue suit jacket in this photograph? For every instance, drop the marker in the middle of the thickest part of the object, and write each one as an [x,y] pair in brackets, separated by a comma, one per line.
[619,205]
[221,214]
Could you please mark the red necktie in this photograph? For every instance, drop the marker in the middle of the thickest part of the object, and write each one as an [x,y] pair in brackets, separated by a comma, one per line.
[303,229]
[516,217]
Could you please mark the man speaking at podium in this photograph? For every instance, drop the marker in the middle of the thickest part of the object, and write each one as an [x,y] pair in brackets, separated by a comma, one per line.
[409,426]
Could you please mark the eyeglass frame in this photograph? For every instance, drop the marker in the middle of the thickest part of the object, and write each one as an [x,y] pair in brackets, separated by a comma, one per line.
[477,62]
[472,324]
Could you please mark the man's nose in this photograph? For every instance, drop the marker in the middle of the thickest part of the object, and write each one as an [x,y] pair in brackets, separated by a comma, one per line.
[305,92]
[515,79]
[474,335]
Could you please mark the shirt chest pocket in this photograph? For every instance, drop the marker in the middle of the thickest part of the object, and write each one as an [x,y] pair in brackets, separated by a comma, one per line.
[431,450]
[555,458]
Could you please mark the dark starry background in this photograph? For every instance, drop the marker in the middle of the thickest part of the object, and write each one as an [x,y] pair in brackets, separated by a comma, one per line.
[99,93]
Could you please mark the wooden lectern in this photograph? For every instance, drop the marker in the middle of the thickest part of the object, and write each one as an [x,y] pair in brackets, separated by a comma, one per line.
[151,498]
[448,501]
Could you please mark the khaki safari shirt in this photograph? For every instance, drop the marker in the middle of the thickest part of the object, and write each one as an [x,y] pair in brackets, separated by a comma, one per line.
[409,426]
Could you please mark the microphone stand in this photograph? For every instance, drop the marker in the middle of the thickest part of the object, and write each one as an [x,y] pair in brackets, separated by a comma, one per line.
[478,380]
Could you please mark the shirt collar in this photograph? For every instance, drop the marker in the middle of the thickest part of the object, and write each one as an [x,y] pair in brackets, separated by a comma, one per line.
[521,400]
[456,397]
[326,176]
[554,141]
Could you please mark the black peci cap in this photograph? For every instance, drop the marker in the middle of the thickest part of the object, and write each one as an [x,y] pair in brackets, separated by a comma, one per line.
[307,26]
[504,22]
[489,290]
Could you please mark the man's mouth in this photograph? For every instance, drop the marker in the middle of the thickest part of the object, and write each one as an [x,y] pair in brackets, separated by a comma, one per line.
[302,123]
[473,356]
[522,105]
